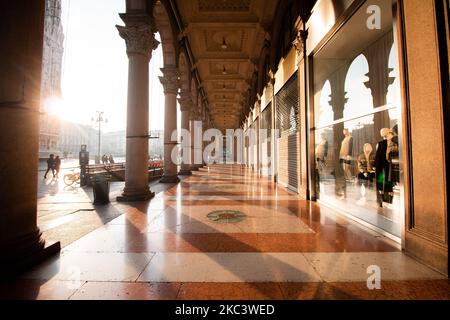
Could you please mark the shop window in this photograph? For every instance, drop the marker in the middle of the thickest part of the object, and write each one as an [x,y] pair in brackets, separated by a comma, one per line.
[357,116]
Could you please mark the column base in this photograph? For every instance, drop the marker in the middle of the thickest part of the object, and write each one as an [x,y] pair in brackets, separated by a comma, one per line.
[24,254]
[185,173]
[130,196]
[169,179]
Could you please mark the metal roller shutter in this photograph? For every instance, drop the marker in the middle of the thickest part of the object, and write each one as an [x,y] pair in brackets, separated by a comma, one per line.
[265,141]
[251,149]
[255,146]
[288,142]
[246,162]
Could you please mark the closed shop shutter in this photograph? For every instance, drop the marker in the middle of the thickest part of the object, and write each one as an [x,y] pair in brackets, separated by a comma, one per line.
[252,148]
[246,162]
[255,146]
[288,142]
[265,143]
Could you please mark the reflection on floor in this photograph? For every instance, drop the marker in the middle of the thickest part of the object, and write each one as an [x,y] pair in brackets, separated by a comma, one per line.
[283,248]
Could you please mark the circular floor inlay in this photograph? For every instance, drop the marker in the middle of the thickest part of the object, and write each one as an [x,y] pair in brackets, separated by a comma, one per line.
[227,216]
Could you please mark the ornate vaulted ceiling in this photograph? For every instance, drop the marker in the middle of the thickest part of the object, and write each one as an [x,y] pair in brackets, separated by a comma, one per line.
[226,37]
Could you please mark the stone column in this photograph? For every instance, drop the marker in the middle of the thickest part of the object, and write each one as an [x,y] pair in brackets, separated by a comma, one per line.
[171,83]
[21,242]
[186,106]
[140,41]
[193,118]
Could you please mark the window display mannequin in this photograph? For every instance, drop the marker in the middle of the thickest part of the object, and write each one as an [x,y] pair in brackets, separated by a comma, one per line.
[366,164]
[392,156]
[322,151]
[382,165]
[345,155]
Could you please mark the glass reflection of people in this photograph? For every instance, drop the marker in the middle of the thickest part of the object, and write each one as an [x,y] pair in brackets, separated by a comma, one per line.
[366,165]
[322,152]
[345,155]
[385,187]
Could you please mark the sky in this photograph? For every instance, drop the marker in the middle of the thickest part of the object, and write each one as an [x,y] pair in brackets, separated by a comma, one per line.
[95,66]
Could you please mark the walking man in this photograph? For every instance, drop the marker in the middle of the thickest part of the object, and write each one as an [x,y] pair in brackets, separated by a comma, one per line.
[50,166]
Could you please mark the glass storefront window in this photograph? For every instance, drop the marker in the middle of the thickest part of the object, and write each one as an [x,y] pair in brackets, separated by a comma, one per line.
[358,120]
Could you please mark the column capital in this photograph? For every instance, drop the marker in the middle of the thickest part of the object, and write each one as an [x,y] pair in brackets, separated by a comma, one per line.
[170,80]
[139,39]
[186,103]
[300,44]
[194,115]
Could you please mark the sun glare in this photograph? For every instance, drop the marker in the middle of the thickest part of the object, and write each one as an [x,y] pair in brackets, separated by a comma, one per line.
[56,106]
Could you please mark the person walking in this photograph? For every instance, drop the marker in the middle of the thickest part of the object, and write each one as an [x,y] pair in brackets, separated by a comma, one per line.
[57,166]
[50,166]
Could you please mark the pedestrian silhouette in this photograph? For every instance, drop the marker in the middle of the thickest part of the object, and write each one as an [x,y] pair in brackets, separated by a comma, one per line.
[50,166]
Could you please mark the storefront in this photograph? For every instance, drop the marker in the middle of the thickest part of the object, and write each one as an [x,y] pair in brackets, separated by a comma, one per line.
[266,141]
[288,137]
[359,117]
[356,117]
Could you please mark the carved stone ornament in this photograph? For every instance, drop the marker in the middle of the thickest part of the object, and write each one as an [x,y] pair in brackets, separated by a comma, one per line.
[170,80]
[186,103]
[194,115]
[300,43]
[139,39]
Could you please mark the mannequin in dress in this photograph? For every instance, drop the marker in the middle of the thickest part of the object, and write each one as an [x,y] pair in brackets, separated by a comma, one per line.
[345,155]
[382,166]
[366,164]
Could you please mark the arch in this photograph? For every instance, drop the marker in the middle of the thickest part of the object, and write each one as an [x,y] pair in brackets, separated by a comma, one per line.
[200,103]
[183,66]
[193,91]
[359,96]
[165,28]
[393,91]
[264,65]
[325,114]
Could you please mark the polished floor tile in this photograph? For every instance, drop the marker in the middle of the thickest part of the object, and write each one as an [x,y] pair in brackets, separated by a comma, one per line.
[127,291]
[167,248]
[229,267]
[347,267]
[76,267]
[28,289]
[230,291]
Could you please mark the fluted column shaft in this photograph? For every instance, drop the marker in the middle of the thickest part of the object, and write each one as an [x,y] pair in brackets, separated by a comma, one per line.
[140,41]
[171,83]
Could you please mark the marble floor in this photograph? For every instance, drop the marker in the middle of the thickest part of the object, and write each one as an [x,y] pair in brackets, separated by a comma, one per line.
[225,233]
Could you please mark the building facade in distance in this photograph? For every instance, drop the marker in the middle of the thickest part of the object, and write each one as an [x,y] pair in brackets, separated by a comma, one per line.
[51,78]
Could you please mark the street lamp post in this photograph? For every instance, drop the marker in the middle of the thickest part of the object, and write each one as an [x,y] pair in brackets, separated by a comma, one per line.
[100,117]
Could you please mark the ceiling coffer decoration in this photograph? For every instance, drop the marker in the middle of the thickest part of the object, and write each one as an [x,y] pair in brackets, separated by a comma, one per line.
[226,38]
